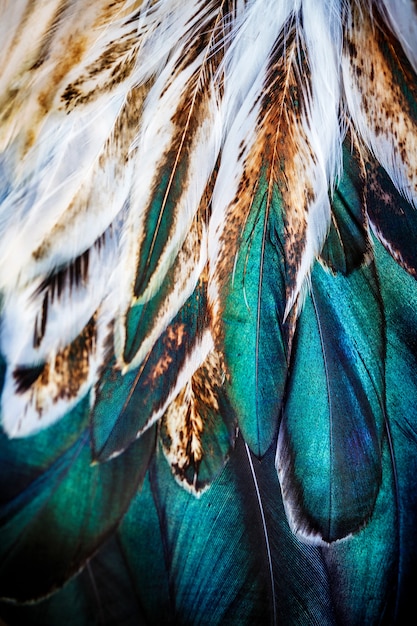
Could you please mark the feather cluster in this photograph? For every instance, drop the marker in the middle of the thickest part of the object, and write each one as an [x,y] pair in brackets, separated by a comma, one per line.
[191,193]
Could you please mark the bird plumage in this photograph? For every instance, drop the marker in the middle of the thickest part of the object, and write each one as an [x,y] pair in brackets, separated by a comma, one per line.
[207,338]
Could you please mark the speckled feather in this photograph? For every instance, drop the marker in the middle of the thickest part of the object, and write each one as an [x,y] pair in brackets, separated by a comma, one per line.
[205,208]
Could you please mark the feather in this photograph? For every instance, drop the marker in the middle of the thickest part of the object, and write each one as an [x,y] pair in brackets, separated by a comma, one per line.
[391,216]
[141,396]
[402,20]
[207,312]
[34,563]
[330,476]
[386,114]
[399,294]
[253,304]
[231,548]
[181,110]
[269,217]
[180,382]
[348,243]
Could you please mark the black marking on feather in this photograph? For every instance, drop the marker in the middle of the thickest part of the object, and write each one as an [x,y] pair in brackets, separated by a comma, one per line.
[73,274]
[40,324]
[210,35]
[134,17]
[66,278]
[64,374]
[25,377]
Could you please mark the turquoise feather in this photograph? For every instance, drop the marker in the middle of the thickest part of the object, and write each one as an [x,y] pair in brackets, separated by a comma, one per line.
[196,541]
[230,568]
[145,321]
[137,394]
[348,245]
[255,335]
[329,447]
[159,222]
[399,293]
[35,562]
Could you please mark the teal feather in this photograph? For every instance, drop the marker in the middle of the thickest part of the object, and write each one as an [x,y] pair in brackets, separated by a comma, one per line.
[35,562]
[145,321]
[329,447]
[240,564]
[348,244]
[360,596]
[193,559]
[400,304]
[255,335]
[137,394]
[159,222]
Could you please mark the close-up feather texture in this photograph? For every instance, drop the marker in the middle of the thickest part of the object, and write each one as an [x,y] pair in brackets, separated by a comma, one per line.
[208,312]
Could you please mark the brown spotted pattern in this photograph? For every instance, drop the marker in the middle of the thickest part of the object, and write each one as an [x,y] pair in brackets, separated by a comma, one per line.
[62,377]
[280,156]
[56,67]
[190,420]
[380,73]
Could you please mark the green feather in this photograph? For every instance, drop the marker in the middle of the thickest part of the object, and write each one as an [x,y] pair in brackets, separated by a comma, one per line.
[333,424]
[126,402]
[193,559]
[399,291]
[347,244]
[160,219]
[363,569]
[227,557]
[146,320]
[254,340]
[59,489]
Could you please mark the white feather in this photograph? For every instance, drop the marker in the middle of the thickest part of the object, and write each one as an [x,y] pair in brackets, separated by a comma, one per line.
[402,16]
[245,67]
[323,37]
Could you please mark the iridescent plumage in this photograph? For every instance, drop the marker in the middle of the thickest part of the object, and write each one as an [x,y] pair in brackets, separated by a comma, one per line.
[208,334]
